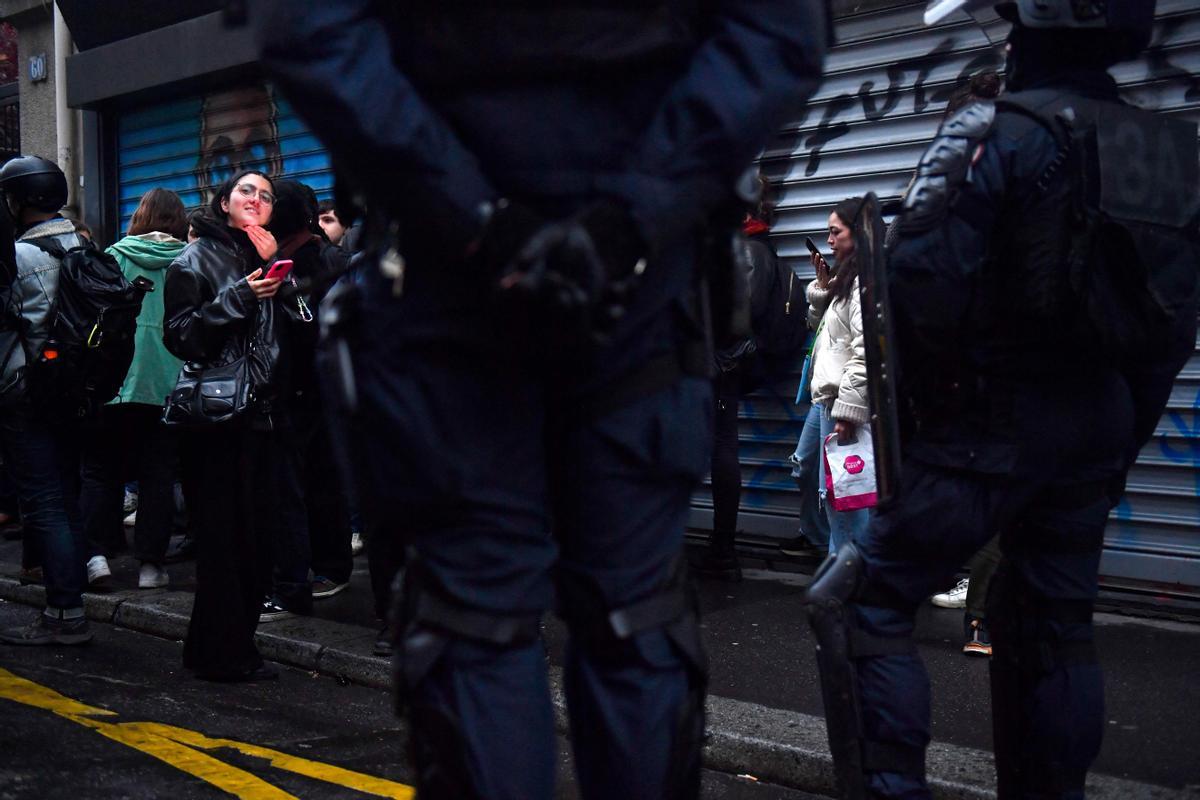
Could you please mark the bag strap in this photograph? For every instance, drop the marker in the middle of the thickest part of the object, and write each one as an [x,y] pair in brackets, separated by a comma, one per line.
[816,333]
[48,245]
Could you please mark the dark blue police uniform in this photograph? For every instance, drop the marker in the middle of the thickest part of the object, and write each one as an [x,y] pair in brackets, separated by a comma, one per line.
[520,475]
[1017,422]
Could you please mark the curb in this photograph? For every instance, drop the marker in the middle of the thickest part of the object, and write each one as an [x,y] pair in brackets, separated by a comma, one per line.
[773,745]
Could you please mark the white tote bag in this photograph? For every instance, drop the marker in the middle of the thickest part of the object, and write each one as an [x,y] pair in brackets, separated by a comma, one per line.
[850,471]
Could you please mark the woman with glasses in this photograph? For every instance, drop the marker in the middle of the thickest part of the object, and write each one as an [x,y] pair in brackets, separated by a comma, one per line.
[220,306]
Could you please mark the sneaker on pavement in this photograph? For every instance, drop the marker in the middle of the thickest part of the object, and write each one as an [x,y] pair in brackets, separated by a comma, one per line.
[324,587]
[50,628]
[272,610]
[99,576]
[356,543]
[979,641]
[801,547]
[130,519]
[152,576]
[955,598]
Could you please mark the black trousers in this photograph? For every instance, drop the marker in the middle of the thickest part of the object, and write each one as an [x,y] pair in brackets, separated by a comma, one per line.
[726,471]
[325,497]
[129,440]
[385,558]
[236,510]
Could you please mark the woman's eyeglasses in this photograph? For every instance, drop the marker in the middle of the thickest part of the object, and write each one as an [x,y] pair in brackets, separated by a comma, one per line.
[249,190]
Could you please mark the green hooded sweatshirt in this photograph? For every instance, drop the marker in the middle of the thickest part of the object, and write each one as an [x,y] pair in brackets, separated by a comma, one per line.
[153,372]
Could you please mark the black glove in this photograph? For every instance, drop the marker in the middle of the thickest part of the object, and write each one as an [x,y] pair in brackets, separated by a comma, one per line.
[508,228]
[581,272]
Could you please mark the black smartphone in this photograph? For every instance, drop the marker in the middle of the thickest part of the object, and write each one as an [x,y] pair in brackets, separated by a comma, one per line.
[812,248]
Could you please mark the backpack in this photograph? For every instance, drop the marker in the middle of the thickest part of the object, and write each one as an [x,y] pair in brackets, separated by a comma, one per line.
[90,328]
[779,309]
[1128,180]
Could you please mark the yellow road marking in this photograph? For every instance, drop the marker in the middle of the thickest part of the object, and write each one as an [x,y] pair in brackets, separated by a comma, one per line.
[17,688]
[180,748]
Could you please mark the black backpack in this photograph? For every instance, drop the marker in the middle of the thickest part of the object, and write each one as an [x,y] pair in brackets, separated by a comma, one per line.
[1127,180]
[779,307]
[89,343]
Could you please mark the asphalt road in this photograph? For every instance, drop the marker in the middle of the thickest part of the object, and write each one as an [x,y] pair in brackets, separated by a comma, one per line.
[170,736]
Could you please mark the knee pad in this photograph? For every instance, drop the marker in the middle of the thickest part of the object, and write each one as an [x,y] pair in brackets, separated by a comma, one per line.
[426,622]
[609,632]
[840,643]
[426,619]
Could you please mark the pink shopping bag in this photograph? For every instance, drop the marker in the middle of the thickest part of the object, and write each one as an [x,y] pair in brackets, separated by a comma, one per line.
[850,471]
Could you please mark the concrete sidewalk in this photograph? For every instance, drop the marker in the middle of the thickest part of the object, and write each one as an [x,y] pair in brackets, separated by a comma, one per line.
[764,707]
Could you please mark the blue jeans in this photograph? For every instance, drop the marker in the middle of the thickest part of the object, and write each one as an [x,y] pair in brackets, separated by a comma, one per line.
[844,526]
[806,467]
[43,460]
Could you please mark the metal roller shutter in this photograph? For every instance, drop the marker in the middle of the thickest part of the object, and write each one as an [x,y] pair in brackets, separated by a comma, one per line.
[886,86]
[191,145]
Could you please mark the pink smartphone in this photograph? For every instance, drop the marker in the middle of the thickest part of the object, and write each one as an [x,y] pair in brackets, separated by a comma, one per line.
[279,269]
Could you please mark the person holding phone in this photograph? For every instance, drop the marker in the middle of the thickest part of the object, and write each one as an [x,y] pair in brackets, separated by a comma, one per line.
[220,305]
[839,366]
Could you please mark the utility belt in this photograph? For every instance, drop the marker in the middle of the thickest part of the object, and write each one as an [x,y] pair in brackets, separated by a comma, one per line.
[716,306]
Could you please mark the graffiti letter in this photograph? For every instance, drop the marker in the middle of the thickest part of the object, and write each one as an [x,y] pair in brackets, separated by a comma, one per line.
[891,98]
[826,133]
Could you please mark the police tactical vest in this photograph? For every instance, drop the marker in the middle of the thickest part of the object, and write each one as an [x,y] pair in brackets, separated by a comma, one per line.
[1108,248]
[448,43]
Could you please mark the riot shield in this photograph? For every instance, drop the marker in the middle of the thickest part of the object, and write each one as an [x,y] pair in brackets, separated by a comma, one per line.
[880,346]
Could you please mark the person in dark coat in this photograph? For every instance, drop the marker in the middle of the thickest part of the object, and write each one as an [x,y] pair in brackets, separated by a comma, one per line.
[218,306]
[315,526]
[530,355]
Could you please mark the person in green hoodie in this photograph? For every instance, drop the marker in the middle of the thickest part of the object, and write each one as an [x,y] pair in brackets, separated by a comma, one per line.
[129,437]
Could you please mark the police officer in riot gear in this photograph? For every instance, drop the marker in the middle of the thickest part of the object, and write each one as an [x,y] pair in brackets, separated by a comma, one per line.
[1044,296]
[529,357]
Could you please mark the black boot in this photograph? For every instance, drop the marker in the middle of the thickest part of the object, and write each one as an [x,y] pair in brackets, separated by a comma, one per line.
[719,559]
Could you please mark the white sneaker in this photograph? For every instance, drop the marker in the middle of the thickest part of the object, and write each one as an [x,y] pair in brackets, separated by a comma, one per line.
[131,519]
[356,543]
[955,598]
[98,573]
[152,576]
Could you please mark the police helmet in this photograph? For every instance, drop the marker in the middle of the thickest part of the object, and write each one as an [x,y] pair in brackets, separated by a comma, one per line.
[1131,20]
[34,182]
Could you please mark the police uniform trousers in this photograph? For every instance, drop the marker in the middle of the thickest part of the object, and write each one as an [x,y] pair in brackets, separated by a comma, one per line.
[514,494]
[1074,437]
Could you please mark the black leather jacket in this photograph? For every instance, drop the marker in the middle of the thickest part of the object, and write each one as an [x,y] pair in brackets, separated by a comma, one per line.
[212,316]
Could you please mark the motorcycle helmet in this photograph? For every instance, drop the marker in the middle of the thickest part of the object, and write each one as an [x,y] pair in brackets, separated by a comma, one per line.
[34,182]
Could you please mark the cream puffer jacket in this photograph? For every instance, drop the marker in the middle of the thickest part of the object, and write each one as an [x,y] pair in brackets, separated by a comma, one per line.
[839,366]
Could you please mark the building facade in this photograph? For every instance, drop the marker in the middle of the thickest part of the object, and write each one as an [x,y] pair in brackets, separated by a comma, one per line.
[167,95]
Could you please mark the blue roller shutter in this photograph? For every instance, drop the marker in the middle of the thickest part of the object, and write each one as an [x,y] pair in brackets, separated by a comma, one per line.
[190,145]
